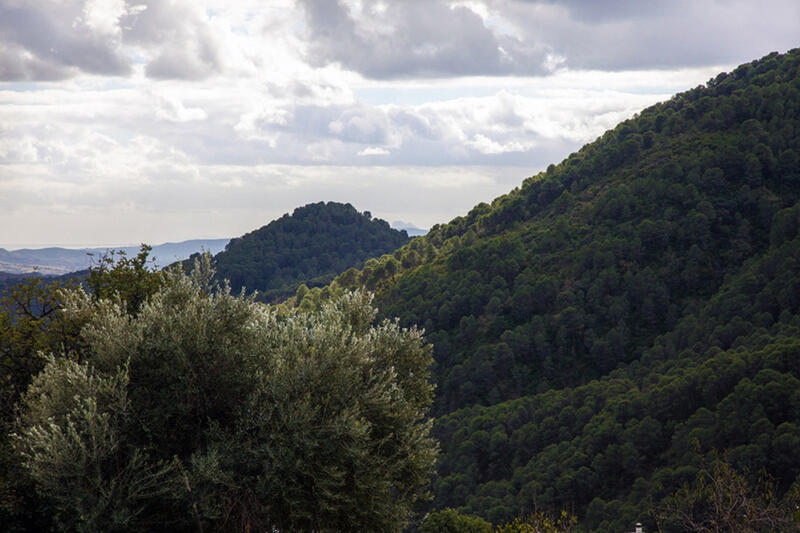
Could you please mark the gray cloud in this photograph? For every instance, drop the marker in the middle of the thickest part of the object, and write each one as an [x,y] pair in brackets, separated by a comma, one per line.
[532,37]
[15,66]
[361,125]
[185,64]
[594,11]
[630,34]
[415,39]
[183,45]
[49,41]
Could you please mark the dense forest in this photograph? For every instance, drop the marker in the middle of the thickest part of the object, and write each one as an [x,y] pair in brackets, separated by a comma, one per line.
[604,330]
[310,247]
[615,341]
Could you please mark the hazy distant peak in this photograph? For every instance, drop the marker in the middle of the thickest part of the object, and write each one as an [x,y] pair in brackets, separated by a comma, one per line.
[409,227]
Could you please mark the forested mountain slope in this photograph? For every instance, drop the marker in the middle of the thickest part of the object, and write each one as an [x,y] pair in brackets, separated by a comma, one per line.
[724,380]
[638,296]
[310,246]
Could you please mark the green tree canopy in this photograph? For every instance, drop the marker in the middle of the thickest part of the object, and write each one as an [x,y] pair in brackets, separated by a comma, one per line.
[450,521]
[208,410]
[312,245]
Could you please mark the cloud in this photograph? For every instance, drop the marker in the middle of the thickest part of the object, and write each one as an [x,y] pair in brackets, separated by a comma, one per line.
[373,150]
[442,38]
[178,38]
[414,39]
[173,109]
[362,124]
[51,40]
[57,39]
[193,40]
[85,132]
[629,34]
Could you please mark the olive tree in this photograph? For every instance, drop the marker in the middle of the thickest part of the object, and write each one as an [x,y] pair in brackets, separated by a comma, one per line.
[209,411]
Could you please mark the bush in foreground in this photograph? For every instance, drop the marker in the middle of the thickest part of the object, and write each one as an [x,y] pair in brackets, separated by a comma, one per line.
[206,410]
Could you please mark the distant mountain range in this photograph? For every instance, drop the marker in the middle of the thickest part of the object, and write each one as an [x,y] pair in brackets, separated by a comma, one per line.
[58,261]
[409,227]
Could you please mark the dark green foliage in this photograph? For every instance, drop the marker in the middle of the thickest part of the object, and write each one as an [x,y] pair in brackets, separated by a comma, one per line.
[311,246]
[33,323]
[541,523]
[132,279]
[582,267]
[450,521]
[8,280]
[30,322]
[617,446]
[639,296]
[199,410]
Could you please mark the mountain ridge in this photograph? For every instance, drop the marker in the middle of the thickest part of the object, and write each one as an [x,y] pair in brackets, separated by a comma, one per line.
[585,272]
[55,260]
[309,246]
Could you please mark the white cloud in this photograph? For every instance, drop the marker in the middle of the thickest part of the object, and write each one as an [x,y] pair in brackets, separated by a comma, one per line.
[170,108]
[167,110]
[88,152]
[103,16]
[373,150]
[199,39]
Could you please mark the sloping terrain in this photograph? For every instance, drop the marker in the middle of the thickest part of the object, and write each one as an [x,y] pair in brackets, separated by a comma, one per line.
[606,325]
[310,246]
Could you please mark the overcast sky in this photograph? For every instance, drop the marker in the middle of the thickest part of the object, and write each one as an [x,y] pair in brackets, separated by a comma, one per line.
[163,120]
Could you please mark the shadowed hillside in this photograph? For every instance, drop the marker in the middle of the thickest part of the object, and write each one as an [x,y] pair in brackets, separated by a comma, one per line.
[602,328]
[309,246]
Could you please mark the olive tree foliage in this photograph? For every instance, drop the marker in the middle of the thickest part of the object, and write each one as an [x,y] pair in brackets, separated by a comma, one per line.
[449,520]
[333,435]
[72,445]
[33,326]
[209,411]
[540,522]
[721,499]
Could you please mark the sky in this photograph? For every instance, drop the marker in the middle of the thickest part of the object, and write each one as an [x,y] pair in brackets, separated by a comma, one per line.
[130,121]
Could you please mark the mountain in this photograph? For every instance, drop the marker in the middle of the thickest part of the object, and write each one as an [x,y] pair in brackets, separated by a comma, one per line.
[310,247]
[56,261]
[409,227]
[606,328]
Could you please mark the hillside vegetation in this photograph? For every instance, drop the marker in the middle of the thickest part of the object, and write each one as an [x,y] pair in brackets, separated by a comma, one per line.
[606,327]
[616,340]
[160,401]
[310,246]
